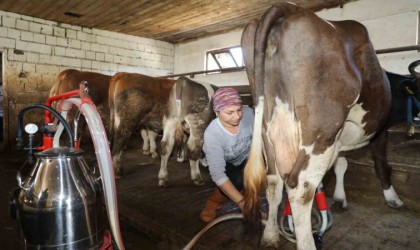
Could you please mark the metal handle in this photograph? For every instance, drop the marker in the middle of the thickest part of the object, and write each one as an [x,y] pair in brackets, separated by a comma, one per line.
[20,182]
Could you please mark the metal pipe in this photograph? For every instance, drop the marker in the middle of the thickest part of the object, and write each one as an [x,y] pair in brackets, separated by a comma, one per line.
[192,74]
[50,100]
[398,49]
[234,69]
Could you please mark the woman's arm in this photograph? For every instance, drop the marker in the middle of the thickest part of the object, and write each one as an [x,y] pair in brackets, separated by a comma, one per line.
[230,190]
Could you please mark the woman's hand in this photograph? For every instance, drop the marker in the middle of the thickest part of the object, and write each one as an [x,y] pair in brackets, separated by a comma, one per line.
[241,204]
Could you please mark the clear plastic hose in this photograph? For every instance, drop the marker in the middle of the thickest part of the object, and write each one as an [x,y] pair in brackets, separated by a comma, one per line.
[103,155]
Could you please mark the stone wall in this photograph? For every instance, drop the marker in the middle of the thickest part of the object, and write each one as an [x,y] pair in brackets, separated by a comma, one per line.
[36,50]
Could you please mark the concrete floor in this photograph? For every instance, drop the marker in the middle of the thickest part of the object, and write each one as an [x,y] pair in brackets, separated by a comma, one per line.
[167,218]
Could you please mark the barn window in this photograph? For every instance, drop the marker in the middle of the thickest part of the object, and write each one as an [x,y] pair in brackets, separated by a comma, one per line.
[224,58]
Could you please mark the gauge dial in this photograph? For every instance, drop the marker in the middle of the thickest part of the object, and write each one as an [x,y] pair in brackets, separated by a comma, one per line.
[31,128]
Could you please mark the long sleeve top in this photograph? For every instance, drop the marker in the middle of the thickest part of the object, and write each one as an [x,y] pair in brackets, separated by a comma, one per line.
[221,146]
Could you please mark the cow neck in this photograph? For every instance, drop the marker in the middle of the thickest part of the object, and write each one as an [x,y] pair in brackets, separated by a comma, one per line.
[232,131]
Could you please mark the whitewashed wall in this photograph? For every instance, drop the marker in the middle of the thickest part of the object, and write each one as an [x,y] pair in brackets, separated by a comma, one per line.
[391,23]
[36,50]
[190,57]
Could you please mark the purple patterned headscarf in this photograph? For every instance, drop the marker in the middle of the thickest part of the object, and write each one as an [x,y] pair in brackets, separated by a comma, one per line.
[225,97]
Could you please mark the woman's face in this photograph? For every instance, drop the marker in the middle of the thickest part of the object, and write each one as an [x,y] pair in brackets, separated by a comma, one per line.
[231,115]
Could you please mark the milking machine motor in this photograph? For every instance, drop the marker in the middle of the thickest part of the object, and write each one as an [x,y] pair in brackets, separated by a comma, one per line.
[59,204]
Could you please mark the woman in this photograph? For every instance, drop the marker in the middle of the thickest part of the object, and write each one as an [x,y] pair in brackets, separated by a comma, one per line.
[227,141]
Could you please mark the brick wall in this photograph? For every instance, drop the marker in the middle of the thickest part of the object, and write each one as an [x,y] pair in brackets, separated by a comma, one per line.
[36,50]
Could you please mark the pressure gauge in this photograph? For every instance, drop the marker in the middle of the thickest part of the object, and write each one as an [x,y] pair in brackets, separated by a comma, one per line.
[31,128]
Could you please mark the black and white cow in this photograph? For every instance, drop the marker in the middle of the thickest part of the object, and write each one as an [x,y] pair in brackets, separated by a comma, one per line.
[188,115]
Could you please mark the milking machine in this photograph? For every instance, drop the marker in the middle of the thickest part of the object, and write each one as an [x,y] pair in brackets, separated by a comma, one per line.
[59,204]
[321,216]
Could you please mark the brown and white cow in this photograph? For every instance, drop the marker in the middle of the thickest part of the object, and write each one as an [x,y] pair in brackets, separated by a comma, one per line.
[188,115]
[98,85]
[318,89]
[135,101]
[402,87]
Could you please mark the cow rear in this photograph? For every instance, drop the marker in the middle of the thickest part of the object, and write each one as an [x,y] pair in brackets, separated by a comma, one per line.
[135,101]
[315,83]
[189,112]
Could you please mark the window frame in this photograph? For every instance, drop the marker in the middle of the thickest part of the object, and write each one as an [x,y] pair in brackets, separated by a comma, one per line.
[226,50]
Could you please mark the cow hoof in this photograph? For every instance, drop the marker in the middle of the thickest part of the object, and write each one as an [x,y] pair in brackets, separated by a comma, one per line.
[179,159]
[203,162]
[154,155]
[146,152]
[199,182]
[396,204]
[339,204]
[271,243]
[163,183]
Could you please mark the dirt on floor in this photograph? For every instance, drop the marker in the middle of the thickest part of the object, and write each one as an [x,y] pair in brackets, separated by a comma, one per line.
[167,218]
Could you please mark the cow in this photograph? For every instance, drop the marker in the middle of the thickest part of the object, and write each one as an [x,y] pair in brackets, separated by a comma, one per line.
[135,101]
[318,90]
[401,88]
[98,84]
[188,115]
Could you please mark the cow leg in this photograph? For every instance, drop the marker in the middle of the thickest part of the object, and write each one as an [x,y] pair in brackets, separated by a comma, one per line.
[340,168]
[195,172]
[195,144]
[122,133]
[117,153]
[301,198]
[152,141]
[146,146]
[274,194]
[384,171]
[167,145]
[180,156]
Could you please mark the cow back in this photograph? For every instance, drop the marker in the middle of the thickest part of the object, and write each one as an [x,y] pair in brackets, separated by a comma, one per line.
[155,86]
[70,79]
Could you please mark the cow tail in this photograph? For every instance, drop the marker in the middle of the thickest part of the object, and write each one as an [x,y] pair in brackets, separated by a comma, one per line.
[112,88]
[255,171]
[56,86]
[179,131]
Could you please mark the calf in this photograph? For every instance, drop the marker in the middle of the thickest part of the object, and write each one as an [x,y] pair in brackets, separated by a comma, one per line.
[135,101]
[318,90]
[189,112]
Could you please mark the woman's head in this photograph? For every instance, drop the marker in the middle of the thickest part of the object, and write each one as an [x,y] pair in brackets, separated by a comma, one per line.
[227,104]
[225,97]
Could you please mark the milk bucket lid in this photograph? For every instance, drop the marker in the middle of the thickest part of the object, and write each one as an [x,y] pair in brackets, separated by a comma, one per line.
[59,152]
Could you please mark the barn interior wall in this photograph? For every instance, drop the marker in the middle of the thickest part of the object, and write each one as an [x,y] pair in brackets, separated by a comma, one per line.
[36,50]
[390,24]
